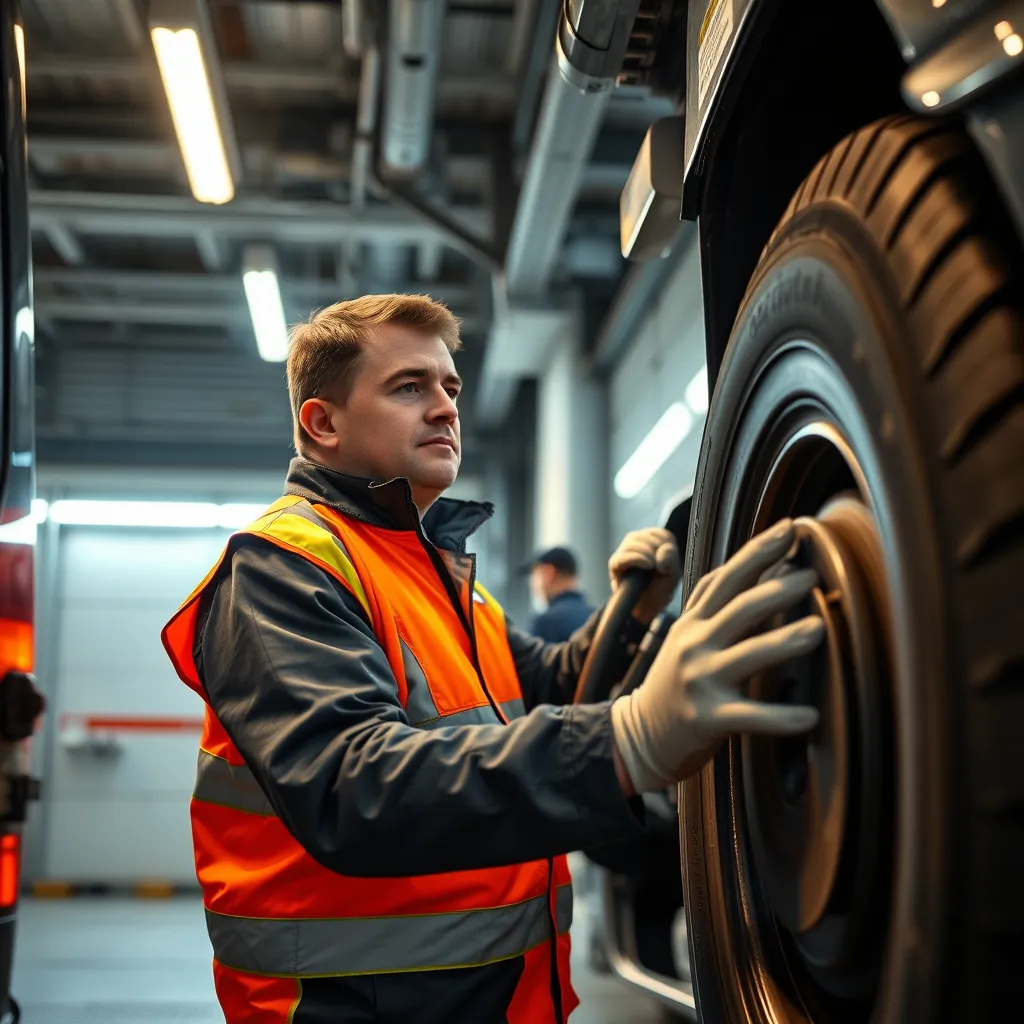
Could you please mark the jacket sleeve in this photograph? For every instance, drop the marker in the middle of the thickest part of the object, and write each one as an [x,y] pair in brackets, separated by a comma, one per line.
[293,671]
[548,672]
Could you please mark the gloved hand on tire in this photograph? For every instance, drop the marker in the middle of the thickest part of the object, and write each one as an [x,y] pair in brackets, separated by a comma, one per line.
[692,698]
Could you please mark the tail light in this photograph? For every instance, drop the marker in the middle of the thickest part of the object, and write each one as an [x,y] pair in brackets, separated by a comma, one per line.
[17,600]
[10,868]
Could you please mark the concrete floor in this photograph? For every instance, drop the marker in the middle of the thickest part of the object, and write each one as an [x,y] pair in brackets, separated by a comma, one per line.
[105,960]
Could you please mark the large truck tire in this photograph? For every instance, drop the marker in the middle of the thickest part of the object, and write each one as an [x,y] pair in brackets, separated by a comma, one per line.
[873,388]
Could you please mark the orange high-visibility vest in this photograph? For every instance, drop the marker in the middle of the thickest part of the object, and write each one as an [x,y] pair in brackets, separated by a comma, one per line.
[274,914]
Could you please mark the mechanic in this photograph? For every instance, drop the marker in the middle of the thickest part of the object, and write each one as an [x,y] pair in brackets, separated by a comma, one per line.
[390,773]
[554,580]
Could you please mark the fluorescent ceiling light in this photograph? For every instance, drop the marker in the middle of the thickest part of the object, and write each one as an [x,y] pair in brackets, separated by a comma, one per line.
[189,94]
[161,514]
[83,512]
[23,530]
[19,531]
[263,293]
[234,517]
[696,393]
[654,450]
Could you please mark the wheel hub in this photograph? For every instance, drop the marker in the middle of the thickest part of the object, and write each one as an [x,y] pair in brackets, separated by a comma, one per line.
[815,803]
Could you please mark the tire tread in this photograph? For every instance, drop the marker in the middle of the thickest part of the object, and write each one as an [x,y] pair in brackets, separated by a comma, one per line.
[927,204]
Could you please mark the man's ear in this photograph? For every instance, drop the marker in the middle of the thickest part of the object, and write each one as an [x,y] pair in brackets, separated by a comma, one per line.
[316,418]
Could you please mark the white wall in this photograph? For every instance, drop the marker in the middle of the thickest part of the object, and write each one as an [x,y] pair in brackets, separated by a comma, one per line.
[667,352]
[123,817]
[571,475]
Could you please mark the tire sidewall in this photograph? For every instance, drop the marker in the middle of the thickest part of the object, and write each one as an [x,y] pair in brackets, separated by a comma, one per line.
[834,289]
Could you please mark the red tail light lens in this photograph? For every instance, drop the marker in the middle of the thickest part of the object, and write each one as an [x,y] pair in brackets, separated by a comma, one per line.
[17,564]
[10,866]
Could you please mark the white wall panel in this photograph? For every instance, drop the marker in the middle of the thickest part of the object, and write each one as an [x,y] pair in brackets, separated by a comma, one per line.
[667,352]
[123,817]
[125,839]
[571,462]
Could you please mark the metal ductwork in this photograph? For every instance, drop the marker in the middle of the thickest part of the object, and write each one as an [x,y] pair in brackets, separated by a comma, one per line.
[591,44]
[411,62]
[566,129]
[593,39]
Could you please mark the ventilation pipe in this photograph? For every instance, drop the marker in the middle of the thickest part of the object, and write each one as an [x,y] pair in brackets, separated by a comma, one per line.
[413,55]
[591,43]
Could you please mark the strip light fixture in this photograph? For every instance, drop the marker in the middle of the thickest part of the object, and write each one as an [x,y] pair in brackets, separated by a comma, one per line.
[696,393]
[663,438]
[263,293]
[187,58]
[152,514]
[654,450]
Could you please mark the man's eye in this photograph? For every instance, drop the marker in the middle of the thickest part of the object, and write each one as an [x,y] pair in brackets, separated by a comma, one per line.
[409,389]
[453,394]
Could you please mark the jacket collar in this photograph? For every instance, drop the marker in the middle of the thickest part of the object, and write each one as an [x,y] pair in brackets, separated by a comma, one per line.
[387,503]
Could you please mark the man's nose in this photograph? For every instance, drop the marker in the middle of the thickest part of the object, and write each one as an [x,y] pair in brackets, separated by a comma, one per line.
[444,409]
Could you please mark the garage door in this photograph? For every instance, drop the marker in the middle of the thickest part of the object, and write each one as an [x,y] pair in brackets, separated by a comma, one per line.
[118,812]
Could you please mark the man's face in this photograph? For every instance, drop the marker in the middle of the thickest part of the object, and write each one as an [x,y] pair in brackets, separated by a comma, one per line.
[542,577]
[400,418]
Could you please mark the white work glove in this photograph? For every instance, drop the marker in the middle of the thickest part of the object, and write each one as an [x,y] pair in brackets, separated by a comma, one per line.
[653,549]
[691,700]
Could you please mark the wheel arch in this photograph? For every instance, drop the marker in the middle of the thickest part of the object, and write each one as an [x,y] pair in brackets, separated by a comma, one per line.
[802,88]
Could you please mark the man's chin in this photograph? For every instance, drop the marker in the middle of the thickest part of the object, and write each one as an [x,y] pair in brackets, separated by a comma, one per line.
[437,477]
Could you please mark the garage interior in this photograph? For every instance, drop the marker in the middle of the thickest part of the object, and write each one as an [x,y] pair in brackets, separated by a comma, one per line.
[474,174]
[840,344]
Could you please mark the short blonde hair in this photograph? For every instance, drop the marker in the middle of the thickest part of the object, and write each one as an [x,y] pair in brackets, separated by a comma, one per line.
[323,353]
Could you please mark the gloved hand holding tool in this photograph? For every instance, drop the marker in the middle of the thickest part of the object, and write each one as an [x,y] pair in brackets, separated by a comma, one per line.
[692,699]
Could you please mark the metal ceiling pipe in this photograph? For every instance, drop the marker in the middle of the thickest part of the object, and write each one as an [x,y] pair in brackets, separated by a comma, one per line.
[590,44]
[359,32]
[412,58]
[566,129]
[357,28]
[366,124]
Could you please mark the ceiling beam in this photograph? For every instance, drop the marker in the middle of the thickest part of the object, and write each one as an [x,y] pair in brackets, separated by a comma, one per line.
[295,221]
[494,92]
[98,284]
[227,313]
[192,314]
[64,243]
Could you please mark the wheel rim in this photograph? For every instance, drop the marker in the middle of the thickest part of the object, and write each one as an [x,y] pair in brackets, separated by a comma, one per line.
[811,818]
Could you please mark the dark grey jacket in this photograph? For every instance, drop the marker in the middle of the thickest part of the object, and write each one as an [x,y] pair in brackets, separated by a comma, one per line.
[294,672]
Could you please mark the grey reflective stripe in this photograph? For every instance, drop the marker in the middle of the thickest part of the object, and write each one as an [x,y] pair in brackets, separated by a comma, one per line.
[483,715]
[378,945]
[459,565]
[419,704]
[230,785]
[563,909]
[513,708]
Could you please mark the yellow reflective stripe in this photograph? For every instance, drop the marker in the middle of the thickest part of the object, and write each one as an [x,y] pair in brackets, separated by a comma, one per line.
[279,506]
[298,999]
[339,947]
[488,599]
[296,531]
